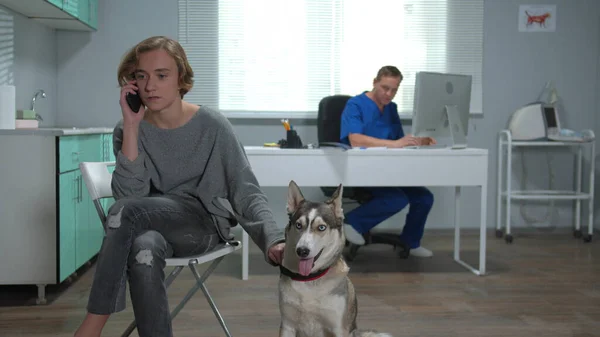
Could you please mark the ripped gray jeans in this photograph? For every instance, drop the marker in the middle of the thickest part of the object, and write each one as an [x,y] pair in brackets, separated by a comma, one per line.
[140,234]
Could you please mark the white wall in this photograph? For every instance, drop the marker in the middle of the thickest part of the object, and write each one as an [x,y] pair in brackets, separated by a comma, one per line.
[33,62]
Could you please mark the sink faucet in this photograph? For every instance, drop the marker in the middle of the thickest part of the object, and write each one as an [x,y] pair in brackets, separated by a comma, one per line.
[43,94]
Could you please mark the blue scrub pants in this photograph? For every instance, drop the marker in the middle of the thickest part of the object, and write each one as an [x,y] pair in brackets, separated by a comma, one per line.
[388,201]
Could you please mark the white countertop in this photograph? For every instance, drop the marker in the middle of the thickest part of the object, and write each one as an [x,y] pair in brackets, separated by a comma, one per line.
[64,131]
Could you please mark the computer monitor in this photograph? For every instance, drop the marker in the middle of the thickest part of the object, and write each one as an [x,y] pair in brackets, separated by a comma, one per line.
[441,106]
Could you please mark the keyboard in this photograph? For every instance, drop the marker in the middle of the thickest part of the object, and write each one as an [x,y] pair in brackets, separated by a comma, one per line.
[428,147]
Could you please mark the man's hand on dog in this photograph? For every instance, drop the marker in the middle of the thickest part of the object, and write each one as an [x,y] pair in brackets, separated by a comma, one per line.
[276,253]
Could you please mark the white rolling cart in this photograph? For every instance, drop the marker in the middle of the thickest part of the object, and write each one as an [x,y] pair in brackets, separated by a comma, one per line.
[505,196]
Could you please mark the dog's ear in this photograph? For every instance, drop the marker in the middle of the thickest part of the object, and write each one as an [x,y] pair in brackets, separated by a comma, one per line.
[336,201]
[295,197]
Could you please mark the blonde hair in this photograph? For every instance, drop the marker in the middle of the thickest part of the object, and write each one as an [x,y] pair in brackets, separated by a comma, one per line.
[173,48]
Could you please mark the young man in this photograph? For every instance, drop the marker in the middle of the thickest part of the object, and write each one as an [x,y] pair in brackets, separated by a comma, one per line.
[173,160]
[370,120]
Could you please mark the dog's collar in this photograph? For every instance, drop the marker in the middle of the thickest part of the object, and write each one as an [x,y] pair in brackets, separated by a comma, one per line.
[297,277]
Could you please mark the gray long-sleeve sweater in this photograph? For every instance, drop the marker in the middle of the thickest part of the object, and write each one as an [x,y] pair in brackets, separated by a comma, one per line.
[204,159]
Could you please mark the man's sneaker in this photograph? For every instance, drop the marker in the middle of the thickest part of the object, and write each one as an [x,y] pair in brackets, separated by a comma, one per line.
[421,252]
[353,236]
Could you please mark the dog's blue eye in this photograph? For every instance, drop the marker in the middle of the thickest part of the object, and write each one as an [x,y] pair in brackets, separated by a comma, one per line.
[321,228]
[298,225]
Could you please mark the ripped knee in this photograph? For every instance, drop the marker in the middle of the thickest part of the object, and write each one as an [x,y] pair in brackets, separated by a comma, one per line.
[114,220]
[144,256]
[120,210]
[148,249]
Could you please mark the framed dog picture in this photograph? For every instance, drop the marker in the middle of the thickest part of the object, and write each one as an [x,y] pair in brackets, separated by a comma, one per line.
[537,18]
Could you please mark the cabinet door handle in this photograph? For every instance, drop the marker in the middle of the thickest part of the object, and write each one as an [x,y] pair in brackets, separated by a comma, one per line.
[75,155]
[76,189]
[81,188]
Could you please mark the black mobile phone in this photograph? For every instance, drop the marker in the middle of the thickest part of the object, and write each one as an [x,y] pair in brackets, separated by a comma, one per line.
[134,102]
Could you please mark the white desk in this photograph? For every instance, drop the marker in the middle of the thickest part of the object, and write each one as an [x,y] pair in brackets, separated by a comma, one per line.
[407,167]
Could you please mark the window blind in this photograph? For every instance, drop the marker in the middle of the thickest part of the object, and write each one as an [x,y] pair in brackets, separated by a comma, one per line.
[7,46]
[267,57]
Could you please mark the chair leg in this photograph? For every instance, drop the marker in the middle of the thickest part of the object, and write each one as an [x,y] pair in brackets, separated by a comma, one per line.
[200,284]
[194,289]
[200,281]
[168,282]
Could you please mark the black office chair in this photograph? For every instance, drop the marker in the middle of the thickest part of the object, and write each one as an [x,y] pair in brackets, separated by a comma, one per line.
[328,128]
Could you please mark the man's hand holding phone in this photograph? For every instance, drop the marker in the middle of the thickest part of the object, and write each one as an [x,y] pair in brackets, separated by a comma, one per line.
[130,102]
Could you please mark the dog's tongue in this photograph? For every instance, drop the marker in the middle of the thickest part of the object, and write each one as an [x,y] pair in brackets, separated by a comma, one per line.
[305,266]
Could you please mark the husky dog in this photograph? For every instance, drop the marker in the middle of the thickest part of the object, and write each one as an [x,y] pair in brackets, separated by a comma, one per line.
[316,297]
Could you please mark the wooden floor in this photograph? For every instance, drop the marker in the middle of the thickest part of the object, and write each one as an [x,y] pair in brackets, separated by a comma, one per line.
[544,284]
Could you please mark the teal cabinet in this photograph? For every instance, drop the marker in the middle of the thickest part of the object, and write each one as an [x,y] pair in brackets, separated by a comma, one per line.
[68,153]
[107,145]
[93,18]
[80,231]
[87,12]
[71,7]
[57,3]
[49,234]
[77,15]
[67,200]
[92,147]
[83,11]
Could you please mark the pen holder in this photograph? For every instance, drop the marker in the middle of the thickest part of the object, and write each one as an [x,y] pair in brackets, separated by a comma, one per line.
[293,140]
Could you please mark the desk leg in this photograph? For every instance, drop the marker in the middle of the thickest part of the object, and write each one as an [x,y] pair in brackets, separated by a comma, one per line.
[245,254]
[591,200]
[578,189]
[507,233]
[499,191]
[457,223]
[482,232]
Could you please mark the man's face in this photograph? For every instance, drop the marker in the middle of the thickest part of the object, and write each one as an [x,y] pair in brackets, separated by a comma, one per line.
[386,89]
[157,79]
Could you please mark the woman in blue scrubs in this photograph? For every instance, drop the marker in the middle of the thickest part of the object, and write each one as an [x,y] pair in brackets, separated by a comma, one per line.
[371,120]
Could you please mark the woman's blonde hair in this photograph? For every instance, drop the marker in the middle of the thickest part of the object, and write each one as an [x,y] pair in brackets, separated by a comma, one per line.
[172,47]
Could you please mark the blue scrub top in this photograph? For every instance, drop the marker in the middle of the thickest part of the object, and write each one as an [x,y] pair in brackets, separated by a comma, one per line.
[361,115]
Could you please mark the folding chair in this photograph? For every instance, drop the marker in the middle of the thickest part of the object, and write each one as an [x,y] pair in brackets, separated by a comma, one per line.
[97,179]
